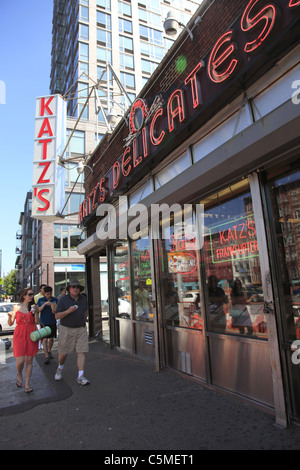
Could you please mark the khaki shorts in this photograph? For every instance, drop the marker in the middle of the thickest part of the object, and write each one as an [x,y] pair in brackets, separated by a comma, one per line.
[73,340]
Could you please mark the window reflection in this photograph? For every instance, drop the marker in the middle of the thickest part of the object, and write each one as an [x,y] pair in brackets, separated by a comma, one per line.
[231,257]
[286,207]
[180,283]
[121,281]
[143,296]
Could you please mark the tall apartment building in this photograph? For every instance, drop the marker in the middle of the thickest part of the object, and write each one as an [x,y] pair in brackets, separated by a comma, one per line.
[87,35]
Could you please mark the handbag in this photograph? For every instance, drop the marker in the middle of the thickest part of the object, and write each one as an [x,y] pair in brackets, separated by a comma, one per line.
[40,334]
[236,313]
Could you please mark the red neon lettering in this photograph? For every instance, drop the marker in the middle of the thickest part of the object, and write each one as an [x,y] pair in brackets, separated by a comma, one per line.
[80,213]
[266,16]
[42,199]
[44,144]
[176,97]
[102,195]
[116,174]
[294,3]
[45,106]
[41,178]
[126,162]
[45,129]
[195,85]
[251,227]
[153,139]
[94,192]
[136,160]
[84,209]
[217,59]
[145,141]
[89,201]
[139,104]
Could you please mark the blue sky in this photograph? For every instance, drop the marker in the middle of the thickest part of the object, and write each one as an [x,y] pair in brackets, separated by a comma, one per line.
[25,59]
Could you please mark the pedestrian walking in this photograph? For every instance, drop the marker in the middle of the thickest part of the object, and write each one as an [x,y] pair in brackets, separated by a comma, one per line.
[40,294]
[72,312]
[47,308]
[63,291]
[23,347]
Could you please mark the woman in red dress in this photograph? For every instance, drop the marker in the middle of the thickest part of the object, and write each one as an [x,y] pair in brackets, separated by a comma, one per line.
[24,348]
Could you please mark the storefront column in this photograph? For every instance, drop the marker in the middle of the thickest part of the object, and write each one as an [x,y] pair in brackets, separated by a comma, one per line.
[154,262]
[94,295]
[279,401]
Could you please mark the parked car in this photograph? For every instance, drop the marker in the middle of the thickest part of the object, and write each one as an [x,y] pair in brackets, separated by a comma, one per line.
[124,308]
[190,298]
[6,342]
[254,293]
[4,308]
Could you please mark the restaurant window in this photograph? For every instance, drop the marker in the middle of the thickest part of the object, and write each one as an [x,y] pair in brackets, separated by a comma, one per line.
[143,297]
[286,209]
[179,278]
[121,302]
[234,291]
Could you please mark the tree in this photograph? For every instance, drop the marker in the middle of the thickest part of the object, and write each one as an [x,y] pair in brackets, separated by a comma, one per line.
[10,283]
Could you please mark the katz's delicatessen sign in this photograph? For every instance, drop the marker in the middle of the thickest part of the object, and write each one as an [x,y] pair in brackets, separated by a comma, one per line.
[48,187]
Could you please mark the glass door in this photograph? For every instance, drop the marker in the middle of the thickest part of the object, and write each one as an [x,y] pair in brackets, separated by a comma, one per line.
[236,324]
[284,193]
[120,294]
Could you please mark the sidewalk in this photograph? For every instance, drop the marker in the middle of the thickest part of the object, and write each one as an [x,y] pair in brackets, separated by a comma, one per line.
[128,406]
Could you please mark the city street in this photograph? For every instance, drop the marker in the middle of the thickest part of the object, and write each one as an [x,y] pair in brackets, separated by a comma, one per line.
[128,407]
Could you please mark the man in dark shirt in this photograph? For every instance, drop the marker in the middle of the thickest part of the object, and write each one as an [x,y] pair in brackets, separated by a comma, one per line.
[47,306]
[72,312]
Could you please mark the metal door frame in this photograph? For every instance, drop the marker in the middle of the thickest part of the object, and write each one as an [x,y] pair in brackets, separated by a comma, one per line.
[273,340]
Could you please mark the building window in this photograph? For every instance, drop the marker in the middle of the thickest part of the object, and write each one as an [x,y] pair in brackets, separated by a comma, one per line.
[124,8]
[230,250]
[125,26]
[152,51]
[77,143]
[126,44]
[150,18]
[120,303]
[104,37]
[84,32]
[180,282]
[127,79]
[98,138]
[106,4]
[84,13]
[66,239]
[104,55]
[143,296]
[104,20]
[83,51]
[152,35]
[148,66]
[126,61]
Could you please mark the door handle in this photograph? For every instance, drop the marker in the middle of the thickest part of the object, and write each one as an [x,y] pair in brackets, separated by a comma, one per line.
[268,307]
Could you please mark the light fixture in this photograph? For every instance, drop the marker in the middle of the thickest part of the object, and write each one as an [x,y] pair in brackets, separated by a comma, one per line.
[113,117]
[81,166]
[171,25]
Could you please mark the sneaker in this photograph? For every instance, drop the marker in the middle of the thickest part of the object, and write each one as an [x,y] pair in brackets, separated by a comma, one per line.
[50,355]
[58,374]
[82,380]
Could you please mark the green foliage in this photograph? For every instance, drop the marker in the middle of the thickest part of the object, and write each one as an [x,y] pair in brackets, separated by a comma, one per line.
[10,283]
